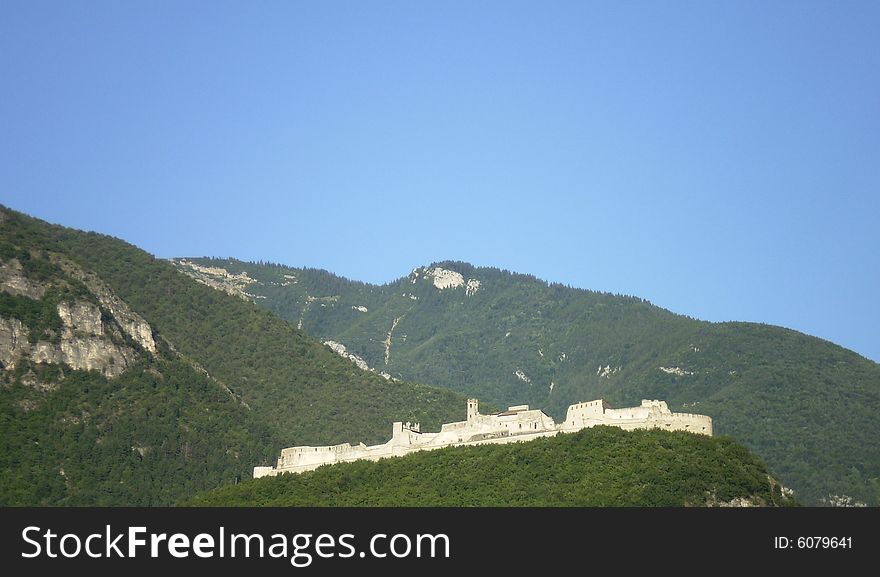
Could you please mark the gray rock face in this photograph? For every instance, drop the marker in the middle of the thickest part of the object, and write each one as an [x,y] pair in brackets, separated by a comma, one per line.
[83,342]
[130,322]
[13,342]
[82,318]
[13,281]
[95,354]
[86,341]
[45,352]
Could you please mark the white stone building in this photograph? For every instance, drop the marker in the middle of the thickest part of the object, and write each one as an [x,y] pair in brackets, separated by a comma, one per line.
[516,424]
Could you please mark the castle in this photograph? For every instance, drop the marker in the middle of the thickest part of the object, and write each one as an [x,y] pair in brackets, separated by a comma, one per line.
[517,423]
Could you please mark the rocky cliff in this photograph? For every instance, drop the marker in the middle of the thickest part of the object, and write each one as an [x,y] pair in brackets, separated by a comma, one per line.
[97,330]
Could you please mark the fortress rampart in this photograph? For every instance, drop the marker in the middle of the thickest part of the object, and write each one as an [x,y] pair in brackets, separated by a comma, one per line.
[518,423]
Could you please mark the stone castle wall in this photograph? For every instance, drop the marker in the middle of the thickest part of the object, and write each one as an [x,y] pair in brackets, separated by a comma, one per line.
[517,424]
[649,415]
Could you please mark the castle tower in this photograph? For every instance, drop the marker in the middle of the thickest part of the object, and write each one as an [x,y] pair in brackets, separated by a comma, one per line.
[473,406]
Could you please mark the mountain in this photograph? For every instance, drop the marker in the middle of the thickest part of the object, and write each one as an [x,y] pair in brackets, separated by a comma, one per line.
[124,382]
[602,466]
[809,408]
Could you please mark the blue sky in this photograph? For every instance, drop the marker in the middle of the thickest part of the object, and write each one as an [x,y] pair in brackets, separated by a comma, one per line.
[720,159]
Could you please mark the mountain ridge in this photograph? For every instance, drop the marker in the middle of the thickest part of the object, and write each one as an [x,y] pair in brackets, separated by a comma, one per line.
[512,338]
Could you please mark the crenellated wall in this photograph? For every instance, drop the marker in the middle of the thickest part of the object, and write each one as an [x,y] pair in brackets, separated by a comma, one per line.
[517,424]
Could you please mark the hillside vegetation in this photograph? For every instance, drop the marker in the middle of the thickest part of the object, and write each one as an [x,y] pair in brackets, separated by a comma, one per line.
[227,386]
[602,466]
[808,407]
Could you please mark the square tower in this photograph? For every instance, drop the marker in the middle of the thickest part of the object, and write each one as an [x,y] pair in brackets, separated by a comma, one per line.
[473,409]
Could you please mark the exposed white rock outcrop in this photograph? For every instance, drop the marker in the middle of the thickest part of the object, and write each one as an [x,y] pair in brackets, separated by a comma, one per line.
[94,354]
[302,314]
[675,371]
[82,317]
[522,376]
[14,282]
[448,279]
[841,501]
[13,342]
[742,502]
[219,278]
[85,342]
[88,340]
[387,341]
[340,350]
[606,371]
[289,280]
[444,279]
[322,301]
[360,308]
[129,321]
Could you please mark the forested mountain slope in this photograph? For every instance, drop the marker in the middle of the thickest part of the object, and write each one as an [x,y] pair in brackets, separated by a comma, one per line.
[124,382]
[808,407]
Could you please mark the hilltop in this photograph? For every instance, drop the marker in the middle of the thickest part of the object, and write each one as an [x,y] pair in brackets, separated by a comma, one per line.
[598,467]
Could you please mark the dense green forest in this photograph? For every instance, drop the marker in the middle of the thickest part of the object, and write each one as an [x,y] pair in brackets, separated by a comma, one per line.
[602,466]
[809,408]
[229,386]
[158,433]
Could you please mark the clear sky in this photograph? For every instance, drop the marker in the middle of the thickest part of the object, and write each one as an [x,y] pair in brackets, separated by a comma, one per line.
[720,159]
